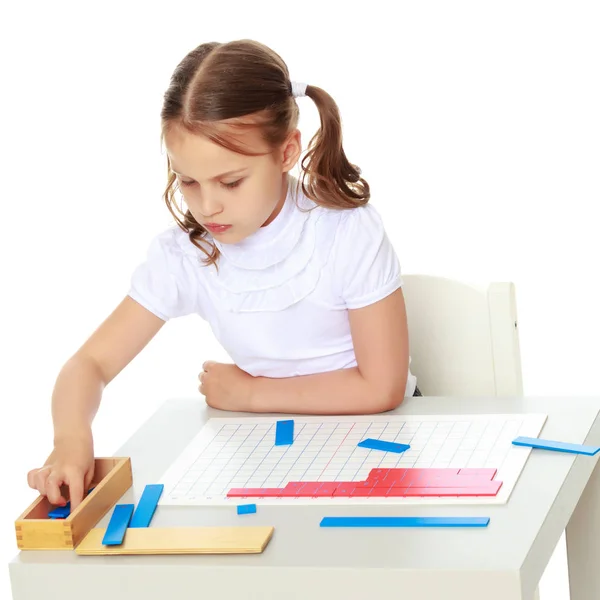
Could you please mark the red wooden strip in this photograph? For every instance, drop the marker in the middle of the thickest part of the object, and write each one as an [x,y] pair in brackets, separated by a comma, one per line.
[420,476]
[443,492]
[362,492]
[272,492]
[295,485]
[375,474]
[345,489]
[310,488]
[327,488]
[395,476]
[433,492]
[289,493]
[366,484]
[397,491]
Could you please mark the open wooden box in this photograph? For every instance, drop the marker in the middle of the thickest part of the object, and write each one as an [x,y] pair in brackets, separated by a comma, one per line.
[36,531]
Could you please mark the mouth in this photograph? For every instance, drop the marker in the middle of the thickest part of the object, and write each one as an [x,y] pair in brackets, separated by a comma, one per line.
[216,228]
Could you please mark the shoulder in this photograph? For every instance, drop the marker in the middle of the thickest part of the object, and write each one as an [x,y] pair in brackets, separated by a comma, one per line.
[356,229]
[166,282]
[365,267]
[364,218]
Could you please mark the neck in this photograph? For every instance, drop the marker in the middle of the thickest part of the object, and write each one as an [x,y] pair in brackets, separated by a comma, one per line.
[281,202]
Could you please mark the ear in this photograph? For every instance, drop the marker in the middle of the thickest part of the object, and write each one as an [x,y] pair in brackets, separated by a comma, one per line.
[291,150]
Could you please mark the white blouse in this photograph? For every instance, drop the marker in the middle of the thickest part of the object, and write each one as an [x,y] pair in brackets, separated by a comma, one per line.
[279,301]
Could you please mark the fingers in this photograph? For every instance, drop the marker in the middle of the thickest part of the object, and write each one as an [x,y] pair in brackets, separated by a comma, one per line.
[89,477]
[207,364]
[201,387]
[75,481]
[53,483]
[36,479]
[31,478]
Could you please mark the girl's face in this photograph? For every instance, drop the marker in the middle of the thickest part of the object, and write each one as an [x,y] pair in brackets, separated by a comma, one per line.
[230,194]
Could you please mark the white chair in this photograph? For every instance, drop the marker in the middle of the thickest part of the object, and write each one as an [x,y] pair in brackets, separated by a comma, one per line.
[463,338]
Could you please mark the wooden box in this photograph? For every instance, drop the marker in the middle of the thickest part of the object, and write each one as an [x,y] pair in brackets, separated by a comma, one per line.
[36,531]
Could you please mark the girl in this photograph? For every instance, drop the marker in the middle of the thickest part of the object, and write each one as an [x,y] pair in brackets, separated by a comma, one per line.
[296,277]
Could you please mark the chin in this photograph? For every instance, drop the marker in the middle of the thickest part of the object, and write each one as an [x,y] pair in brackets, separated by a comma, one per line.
[228,237]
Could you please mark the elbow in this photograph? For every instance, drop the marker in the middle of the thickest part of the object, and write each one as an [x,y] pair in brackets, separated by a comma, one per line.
[390,399]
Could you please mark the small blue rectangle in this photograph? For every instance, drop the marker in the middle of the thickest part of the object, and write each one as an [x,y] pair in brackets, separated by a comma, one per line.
[384,446]
[246,509]
[557,446]
[62,512]
[119,521]
[284,433]
[147,506]
[405,521]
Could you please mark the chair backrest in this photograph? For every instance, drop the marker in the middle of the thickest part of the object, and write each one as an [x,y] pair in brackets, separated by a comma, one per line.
[463,338]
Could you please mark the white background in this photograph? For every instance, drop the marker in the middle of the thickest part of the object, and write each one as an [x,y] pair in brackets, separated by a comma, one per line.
[476,124]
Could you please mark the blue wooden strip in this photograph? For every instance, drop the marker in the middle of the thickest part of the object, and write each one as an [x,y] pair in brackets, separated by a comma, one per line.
[246,509]
[557,446]
[284,433]
[62,512]
[147,505]
[382,445]
[115,532]
[405,521]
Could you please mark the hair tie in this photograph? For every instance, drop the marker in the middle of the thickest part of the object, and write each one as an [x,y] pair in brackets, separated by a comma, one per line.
[298,89]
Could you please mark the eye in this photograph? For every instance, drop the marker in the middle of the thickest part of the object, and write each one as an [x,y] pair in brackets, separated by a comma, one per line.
[230,186]
[233,184]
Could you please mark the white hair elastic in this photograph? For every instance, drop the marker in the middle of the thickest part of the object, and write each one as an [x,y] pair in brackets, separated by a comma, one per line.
[298,89]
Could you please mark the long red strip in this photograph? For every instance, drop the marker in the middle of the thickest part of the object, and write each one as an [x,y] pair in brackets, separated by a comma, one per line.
[382,483]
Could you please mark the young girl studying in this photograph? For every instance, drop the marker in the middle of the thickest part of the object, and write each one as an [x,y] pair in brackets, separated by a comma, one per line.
[295,275]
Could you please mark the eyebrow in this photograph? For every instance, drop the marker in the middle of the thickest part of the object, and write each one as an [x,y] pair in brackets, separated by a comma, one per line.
[216,176]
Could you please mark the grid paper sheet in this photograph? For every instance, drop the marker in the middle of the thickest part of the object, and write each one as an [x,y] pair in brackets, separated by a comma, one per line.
[241,453]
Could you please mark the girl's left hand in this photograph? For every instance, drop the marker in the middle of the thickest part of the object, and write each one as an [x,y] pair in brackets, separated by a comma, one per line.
[225,386]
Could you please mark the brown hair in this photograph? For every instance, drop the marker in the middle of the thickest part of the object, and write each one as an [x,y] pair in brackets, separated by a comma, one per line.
[220,87]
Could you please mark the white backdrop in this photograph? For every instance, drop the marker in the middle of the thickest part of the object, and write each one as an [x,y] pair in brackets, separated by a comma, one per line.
[475,123]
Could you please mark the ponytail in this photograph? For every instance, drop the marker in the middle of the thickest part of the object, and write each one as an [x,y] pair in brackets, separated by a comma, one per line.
[328,178]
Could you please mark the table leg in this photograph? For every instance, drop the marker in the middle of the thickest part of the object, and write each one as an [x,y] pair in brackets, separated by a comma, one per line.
[583,542]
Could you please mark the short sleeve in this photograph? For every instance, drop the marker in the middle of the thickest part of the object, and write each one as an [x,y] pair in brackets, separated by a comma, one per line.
[367,266]
[163,282]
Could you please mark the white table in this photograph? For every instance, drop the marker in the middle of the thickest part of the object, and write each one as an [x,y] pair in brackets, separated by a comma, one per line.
[303,561]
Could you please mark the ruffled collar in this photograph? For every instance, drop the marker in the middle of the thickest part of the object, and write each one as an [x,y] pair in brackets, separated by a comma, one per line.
[274,241]
[280,263]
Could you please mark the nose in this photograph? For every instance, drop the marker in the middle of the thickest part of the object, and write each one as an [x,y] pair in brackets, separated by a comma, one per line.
[209,206]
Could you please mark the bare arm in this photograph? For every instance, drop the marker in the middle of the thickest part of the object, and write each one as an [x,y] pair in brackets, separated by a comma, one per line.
[77,394]
[378,384]
[79,386]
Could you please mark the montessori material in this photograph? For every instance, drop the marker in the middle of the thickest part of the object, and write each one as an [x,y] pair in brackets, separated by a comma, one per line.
[146,506]
[62,512]
[284,433]
[383,446]
[181,540]
[36,531]
[246,509]
[388,483]
[556,446]
[117,526]
[405,522]
[239,454]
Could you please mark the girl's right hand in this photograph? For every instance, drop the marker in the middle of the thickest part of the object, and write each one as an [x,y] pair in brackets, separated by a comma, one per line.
[71,463]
